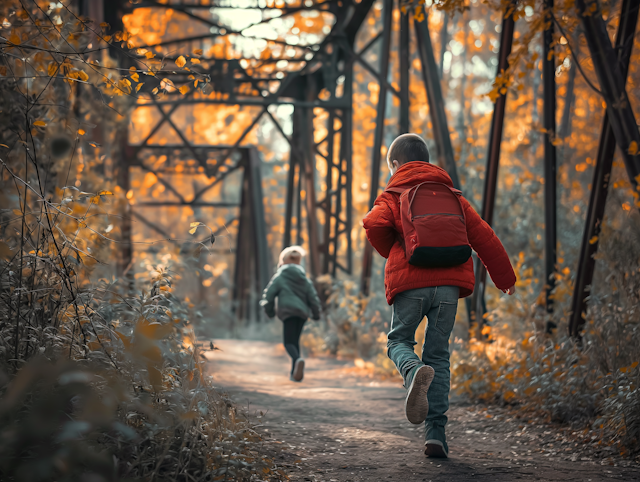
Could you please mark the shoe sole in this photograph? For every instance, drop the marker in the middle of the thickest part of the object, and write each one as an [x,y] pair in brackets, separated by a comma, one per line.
[298,370]
[435,449]
[416,404]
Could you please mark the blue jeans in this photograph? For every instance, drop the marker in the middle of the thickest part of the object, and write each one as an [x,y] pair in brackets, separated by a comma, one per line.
[439,304]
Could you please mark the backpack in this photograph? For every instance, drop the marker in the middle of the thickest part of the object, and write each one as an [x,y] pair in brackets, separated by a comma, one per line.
[434,225]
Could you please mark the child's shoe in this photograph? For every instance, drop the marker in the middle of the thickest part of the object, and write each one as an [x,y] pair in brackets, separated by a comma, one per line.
[298,371]
[435,448]
[416,404]
[436,440]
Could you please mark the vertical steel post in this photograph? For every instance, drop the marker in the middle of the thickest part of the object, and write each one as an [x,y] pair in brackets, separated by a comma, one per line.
[252,264]
[601,176]
[244,253]
[328,199]
[549,114]
[299,205]
[263,261]
[307,169]
[404,72]
[288,210]
[387,16]
[346,140]
[493,155]
[444,149]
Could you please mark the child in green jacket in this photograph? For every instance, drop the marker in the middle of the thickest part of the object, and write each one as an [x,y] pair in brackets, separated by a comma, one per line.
[291,295]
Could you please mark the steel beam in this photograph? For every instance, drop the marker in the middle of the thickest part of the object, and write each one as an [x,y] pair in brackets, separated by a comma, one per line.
[404,53]
[444,149]
[550,209]
[328,205]
[252,263]
[601,178]
[303,134]
[387,16]
[261,247]
[317,71]
[612,86]
[493,157]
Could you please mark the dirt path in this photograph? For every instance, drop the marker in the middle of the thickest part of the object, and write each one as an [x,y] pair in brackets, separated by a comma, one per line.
[337,426]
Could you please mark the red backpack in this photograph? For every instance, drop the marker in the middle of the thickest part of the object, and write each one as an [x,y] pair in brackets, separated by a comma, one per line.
[434,225]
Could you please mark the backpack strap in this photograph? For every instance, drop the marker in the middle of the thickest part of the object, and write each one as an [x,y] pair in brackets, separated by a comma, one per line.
[397,190]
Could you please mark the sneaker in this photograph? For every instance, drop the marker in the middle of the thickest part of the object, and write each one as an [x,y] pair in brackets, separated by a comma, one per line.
[298,371]
[435,448]
[416,404]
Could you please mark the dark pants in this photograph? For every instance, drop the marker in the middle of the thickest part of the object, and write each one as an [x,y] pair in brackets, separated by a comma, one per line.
[292,331]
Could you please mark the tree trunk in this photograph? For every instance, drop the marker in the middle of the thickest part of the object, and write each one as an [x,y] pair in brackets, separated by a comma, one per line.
[444,39]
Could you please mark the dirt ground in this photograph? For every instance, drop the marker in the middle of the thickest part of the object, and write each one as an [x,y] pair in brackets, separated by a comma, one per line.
[339,426]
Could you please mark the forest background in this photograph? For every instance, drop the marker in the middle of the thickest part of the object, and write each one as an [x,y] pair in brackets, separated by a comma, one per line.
[66,102]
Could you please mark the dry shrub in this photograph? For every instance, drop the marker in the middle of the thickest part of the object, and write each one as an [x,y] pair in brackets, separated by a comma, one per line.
[97,381]
[593,383]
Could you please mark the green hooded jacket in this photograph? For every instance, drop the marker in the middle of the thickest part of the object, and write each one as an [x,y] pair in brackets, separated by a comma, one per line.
[291,293]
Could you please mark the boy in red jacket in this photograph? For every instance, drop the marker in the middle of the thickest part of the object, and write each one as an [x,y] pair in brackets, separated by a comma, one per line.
[416,292]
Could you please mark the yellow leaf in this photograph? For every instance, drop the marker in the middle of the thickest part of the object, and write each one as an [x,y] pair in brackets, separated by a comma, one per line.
[196,223]
[634,364]
[52,69]
[154,91]
[81,132]
[180,61]
[197,52]
[195,61]
[593,240]
[633,148]
[105,25]
[623,369]
[106,38]
[17,212]
[4,145]
[79,74]
[105,193]
[135,77]
[139,86]
[40,123]
[14,39]
[124,85]
[149,55]
[184,89]
[193,230]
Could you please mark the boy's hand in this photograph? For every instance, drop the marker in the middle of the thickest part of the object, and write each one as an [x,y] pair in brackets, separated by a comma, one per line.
[510,291]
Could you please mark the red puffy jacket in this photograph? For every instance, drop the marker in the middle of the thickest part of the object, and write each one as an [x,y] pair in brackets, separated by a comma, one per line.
[382,225]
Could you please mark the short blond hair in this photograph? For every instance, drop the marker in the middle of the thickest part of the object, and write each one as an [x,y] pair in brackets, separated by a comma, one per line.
[291,252]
